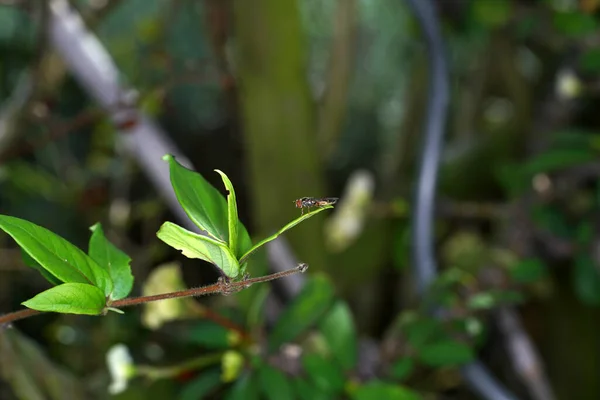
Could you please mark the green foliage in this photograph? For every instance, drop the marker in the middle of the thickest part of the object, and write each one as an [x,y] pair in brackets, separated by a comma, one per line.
[228,245]
[56,255]
[201,386]
[338,329]
[210,335]
[193,245]
[69,298]
[574,23]
[245,388]
[446,353]
[586,279]
[275,385]
[304,311]
[324,374]
[115,261]
[384,391]
[402,368]
[528,270]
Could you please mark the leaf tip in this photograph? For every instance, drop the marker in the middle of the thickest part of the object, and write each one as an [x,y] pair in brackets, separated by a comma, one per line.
[96,226]
[168,157]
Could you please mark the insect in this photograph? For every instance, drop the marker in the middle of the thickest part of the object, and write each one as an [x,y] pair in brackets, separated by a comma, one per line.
[308,202]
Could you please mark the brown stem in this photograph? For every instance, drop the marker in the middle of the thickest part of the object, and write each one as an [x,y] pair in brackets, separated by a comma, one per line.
[221,286]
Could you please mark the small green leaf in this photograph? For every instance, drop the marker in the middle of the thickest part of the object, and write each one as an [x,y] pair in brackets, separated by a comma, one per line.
[586,279]
[446,353]
[326,375]
[193,245]
[307,391]
[200,387]
[590,61]
[528,270]
[304,311]
[245,388]
[30,262]
[210,335]
[574,23]
[232,214]
[203,204]
[557,159]
[339,331]
[402,368]
[376,390]
[115,261]
[285,228]
[275,384]
[421,330]
[232,364]
[55,254]
[69,298]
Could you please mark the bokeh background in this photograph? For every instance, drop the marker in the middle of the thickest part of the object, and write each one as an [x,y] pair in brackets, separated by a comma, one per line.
[295,98]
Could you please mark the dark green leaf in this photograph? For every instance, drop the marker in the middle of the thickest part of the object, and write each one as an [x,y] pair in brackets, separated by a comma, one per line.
[574,23]
[245,388]
[402,368]
[210,335]
[446,353]
[587,280]
[421,329]
[339,331]
[590,61]
[275,385]
[557,159]
[201,386]
[203,204]
[325,374]
[307,391]
[493,298]
[375,390]
[69,298]
[115,261]
[282,230]
[193,245]
[55,254]
[528,270]
[30,262]
[304,311]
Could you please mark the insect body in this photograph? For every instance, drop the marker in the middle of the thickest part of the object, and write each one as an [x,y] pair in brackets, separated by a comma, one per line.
[308,202]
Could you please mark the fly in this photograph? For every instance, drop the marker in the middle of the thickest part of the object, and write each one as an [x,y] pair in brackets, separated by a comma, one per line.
[308,202]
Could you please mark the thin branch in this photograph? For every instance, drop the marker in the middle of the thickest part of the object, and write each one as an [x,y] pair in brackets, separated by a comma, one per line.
[222,287]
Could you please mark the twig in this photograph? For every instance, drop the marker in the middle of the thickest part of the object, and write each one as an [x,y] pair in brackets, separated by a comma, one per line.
[222,287]
[475,374]
[525,359]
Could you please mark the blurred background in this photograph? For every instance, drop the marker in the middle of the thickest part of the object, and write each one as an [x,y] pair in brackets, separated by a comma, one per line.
[322,98]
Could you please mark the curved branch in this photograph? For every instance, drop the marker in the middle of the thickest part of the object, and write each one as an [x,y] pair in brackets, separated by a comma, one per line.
[475,374]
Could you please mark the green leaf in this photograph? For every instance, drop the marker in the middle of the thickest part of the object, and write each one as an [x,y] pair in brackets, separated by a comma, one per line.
[574,23]
[375,390]
[557,159]
[307,391]
[210,335]
[402,368]
[245,388]
[304,311]
[446,353]
[421,330]
[275,384]
[528,270]
[493,298]
[193,245]
[590,61]
[201,386]
[69,298]
[326,375]
[586,279]
[115,261]
[285,228]
[203,204]
[30,262]
[339,331]
[232,214]
[55,254]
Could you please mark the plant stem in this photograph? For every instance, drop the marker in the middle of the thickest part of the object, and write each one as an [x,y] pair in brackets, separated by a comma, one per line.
[221,286]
